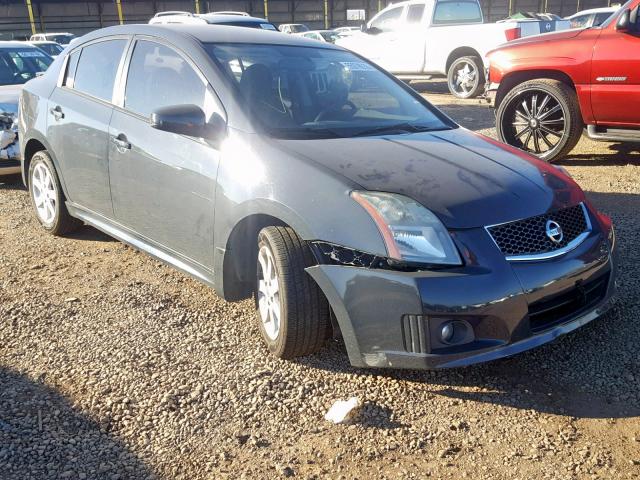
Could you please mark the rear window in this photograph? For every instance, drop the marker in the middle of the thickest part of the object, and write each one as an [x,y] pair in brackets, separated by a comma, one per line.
[450,12]
[97,68]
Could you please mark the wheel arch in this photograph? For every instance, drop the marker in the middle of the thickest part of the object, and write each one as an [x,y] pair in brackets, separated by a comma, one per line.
[34,144]
[459,53]
[511,80]
[236,252]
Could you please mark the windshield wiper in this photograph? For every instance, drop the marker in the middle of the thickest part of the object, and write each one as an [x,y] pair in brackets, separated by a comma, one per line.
[305,133]
[404,127]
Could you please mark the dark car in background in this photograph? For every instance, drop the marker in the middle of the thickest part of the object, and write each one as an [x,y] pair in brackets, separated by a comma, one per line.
[305,176]
[19,63]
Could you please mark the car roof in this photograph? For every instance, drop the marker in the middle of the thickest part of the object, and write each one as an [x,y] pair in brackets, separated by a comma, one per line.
[42,42]
[207,34]
[15,43]
[214,18]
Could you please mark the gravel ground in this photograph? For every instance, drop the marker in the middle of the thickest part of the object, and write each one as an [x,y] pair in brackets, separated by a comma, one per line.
[114,366]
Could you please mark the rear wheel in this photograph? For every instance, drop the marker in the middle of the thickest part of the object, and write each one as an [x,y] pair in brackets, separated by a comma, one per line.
[541,117]
[47,196]
[293,314]
[465,77]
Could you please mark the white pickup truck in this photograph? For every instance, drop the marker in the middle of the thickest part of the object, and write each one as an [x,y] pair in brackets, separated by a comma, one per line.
[418,39]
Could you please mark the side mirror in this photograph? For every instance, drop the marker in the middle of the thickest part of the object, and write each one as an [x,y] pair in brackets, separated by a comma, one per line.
[623,21]
[372,30]
[188,120]
[628,21]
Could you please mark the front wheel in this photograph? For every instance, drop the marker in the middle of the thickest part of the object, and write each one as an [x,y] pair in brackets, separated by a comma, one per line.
[465,77]
[293,314]
[541,117]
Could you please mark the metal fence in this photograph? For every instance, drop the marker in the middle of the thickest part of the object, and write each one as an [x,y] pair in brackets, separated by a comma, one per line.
[19,18]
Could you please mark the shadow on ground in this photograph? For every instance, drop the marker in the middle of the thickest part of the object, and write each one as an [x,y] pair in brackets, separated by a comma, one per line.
[590,373]
[43,436]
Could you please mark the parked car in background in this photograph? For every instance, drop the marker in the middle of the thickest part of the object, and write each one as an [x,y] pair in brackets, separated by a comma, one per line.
[346,31]
[52,49]
[591,18]
[63,38]
[19,63]
[320,35]
[546,90]
[423,38]
[293,28]
[320,185]
[216,18]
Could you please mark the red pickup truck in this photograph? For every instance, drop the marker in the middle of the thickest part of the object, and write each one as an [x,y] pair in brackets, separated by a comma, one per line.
[547,89]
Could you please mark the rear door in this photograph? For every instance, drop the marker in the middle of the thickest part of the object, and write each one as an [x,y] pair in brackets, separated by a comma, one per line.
[163,184]
[79,112]
[615,78]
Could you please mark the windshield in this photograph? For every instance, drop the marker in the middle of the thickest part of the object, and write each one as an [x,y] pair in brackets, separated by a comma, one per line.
[18,65]
[51,48]
[307,92]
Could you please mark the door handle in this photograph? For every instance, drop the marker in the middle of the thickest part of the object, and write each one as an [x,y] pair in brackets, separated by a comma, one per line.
[57,112]
[121,142]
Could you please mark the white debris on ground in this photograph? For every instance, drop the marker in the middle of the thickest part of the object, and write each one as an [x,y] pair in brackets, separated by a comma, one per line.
[342,410]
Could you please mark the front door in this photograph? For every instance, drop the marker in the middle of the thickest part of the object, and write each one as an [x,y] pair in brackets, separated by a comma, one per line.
[163,184]
[79,115]
[615,78]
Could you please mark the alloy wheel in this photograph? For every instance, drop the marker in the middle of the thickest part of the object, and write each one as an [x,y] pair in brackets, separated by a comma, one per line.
[268,293]
[45,195]
[534,121]
[465,79]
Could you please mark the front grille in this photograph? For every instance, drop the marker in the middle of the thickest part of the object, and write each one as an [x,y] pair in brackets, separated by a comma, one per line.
[528,236]
[547,313]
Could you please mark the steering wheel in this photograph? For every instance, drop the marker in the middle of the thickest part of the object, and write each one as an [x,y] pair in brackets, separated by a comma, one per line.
[352,110]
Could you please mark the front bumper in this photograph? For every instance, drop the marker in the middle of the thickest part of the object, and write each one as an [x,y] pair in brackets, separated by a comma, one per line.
[392,319]
[490,93]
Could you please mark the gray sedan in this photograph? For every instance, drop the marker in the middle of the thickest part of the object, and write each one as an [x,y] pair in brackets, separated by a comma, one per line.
[300,174]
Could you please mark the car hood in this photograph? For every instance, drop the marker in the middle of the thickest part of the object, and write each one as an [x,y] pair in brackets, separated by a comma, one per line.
[466,179]
[545,37]
[9,95]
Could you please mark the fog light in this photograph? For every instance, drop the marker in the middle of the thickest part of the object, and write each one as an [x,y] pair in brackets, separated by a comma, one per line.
[447,331]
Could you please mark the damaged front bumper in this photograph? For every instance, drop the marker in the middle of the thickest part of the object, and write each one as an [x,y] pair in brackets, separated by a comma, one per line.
[395,319]
[9,147]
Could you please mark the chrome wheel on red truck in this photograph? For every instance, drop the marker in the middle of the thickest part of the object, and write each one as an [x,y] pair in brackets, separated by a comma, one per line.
[541,117]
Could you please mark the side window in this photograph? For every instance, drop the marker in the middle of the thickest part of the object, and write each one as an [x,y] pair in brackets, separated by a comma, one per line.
[601,18]
[386,21]
[415,12]
[96,70]
[72,64]
[159,77]
[581,21]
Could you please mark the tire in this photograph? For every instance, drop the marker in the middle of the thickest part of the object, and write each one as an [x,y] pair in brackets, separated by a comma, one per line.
[304,323]
[47,197]
[550,135]
[466,78]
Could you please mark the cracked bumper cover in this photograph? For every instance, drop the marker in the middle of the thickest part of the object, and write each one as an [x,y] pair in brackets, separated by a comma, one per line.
[371,305]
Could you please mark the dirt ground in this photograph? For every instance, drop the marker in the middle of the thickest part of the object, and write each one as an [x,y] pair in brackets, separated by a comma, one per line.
[114,366]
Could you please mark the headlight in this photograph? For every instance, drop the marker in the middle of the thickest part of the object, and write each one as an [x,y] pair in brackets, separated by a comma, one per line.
[411,232]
